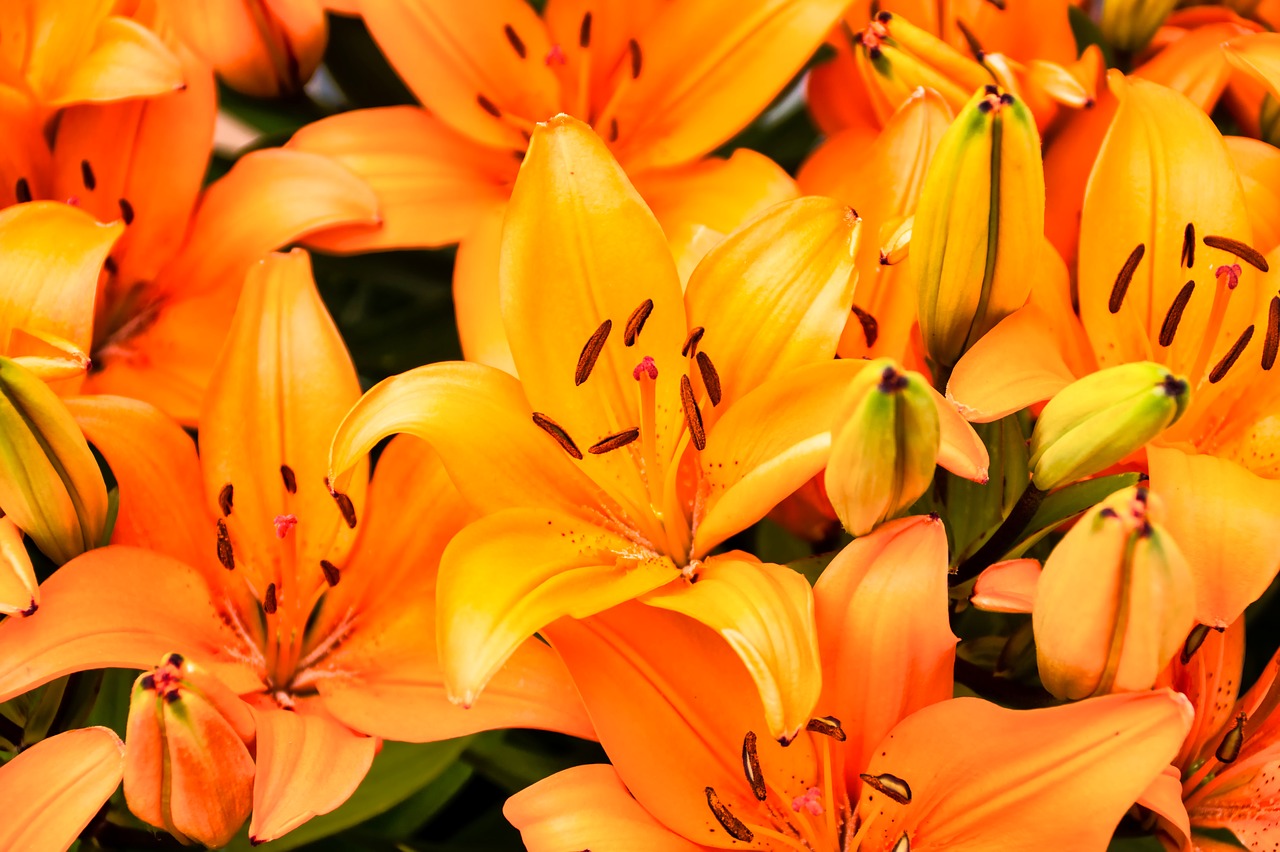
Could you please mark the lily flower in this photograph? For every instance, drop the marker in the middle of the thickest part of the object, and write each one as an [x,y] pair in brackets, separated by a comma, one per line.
[56,787]
[662,84]
[1167,273]
[325,631]
[648,426]
[895,764]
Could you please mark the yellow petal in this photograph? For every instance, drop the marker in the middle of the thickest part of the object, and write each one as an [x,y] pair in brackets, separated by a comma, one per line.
[477,300]
[126,60]
[19,594]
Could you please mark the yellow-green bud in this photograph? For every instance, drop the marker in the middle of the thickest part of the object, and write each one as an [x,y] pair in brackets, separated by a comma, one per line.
[1130,24]
[1099,420]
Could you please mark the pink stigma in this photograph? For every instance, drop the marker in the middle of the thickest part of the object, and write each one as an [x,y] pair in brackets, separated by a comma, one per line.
[555,56]
[1232,273]
[811,801]
[285,524]
[646,367]
[74,201]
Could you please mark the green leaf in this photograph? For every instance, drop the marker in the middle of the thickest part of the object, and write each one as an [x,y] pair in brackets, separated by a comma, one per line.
[1087,32]
[515,759]
[1135,844]
[406,818]
[112,707]
[1066,503]
[775,544]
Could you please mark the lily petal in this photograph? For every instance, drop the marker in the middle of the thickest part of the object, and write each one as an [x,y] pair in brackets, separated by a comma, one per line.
[588,807]
[19,594]
[1211,682]
[57,786]
[1258,165]
[960,449]
[1008,586]
[1164,799]
[477,300]
[1035,375]
[126,60]
[1244,804]
[1195,64]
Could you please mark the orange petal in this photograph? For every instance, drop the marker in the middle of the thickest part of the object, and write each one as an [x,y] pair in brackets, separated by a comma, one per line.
[837,96]
[765,613]
[1068,162]
[1195,64]
[57,786]
[588,807]
[983,775]
[709,68]
[960,449]
[587,72]
[1257,55]
[1244,803]
[1008,586]
[1258,165]
[119,607]
[308,764]
[464,68]
[512,573]
[126,60]
[432,182]
[1224,519]
[887,647]
[476,293]
[1164,798]
[1211,682]
[19,594]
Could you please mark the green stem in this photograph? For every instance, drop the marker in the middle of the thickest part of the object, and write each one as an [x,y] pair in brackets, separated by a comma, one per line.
[1004,538]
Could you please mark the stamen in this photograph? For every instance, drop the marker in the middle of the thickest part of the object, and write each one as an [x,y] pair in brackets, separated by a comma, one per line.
[284,524]
[870,327]
[692,416]
[516,43]
[87,176]
[1247,253]
[584,32]
[975,46]
[637,60]
[614,441]
[126,211]
[691,342]
[269,599]
[613,130]
[290,481]
[554,429]
[488,106]
[1189,246]
[225,499]
[1229,748]
[331,573]
[1169,328]
[591,351]
[23,190]
[735,827]
[891,785]
[1126,275]
[1194,640]
[1228,361]
[710,378]
[110,265]
[346,507]
[1271,345]
[635,322]
[751,767]
[225,553]
[828,726]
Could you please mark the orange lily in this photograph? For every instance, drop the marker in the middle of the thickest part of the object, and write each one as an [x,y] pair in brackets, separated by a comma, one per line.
[897,765]
[254,573]
[663,83]
[1166,274]
[54,788]
[647,427]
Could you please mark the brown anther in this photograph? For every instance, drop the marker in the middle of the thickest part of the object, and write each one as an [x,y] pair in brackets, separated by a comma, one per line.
[751,766]
[614,441]
[1232,742]
[975,46]
[23,190]
[226,498]
[1126,275]
[733,826]
[828,726]
[870,327]
[1272,342]
[290,480]
[635,322]
[613,130]
[226,555]
[692,416]
[269,599]
[331,573]
[584,31]
[710,378]
[87,177]
[691,342]
[346,507]
[591,351]
[1169,328]
[1228,361]
[1194,640]
[126,211]
[999,4]
[637,59]
[561,437]
[488,106]
[517,44]
[891,785]
[1247,253]
[110,265]
[1189,245]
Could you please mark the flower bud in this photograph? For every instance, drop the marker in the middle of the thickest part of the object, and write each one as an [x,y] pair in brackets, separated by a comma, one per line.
[884,446]
[50,485]
[977,236]
[1114,603]
[1130,24]
[187,767]
[1099,420]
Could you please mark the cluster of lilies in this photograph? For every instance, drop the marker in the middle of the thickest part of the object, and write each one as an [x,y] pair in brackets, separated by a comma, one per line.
[1000,350]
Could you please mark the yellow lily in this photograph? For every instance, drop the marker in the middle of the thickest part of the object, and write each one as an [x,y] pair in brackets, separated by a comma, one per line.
[240,562]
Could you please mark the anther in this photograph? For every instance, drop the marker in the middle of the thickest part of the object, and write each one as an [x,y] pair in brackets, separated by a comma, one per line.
[891,785]
[691,342]
[735,827]
[613,130]
[828,726]
[637,59]
[870,327]
[1169,328]
[904,844]
[1229,360]
[646,367]
[584,31]
[126,211]
[488,106]
[346,507]
[710,378]
[290,480]
[23,191]
[1126,275]
[635,322]
[225,498]
[751,766]
[1272,342]
[561,437]
[269,599]
[692,416]
[975,46]
[591,351]
[990,89]
[514,38]
[331,573]
[614,441]
[87,176]
[1247,253]
[225,553]
[284,524]
[110,265]
[884,17]
[1194,640]
[1189,245]
[1229,748]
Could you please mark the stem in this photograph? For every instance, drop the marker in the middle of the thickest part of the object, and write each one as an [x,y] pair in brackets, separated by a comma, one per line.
[1004,538]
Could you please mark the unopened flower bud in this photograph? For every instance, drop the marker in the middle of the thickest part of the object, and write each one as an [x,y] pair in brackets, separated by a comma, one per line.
[1099,420]
[1114,602]
[1129,24]
[188,768]
[884,446]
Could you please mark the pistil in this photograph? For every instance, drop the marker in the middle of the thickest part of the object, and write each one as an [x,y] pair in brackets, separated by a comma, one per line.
[646,373]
